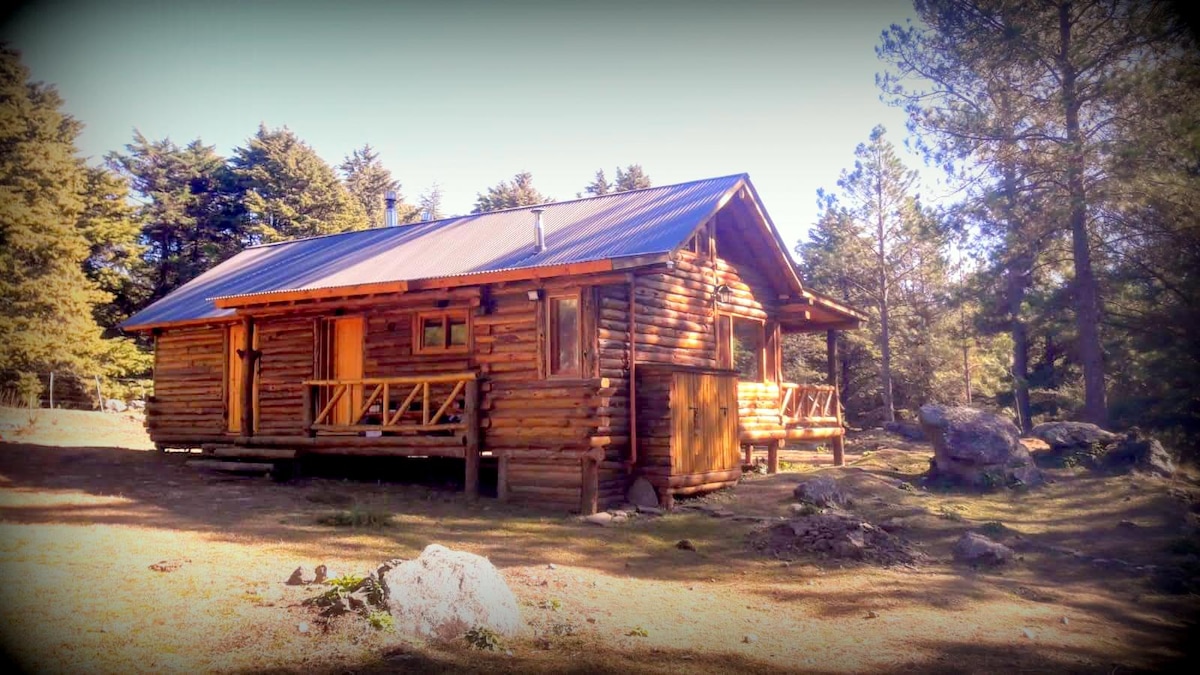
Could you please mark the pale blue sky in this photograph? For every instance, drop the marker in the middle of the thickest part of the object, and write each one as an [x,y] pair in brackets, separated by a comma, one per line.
[469,93]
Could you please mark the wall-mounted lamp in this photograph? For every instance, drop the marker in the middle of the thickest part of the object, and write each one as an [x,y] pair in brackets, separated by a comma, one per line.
[535,294]
[722,293]
[670,264]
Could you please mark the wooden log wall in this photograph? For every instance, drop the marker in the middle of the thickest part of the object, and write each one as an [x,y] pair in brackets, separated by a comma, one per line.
[188,405]
[286,345]
[545,431]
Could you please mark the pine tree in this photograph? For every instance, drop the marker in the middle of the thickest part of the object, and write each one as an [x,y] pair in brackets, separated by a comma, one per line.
[190,213]
[631,178]
[47,323]
[510,194]
[429,205]
[599,186]
[368,181]
[108,223]
[288,191]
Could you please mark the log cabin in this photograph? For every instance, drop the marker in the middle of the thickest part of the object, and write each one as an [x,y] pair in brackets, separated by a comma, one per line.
[577,345]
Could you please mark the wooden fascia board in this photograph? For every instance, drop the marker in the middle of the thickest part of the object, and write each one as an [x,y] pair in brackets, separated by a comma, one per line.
[235,301]
[182,323]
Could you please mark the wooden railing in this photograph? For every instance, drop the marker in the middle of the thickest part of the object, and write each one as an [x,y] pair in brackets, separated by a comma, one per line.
[393,405]
[810,404]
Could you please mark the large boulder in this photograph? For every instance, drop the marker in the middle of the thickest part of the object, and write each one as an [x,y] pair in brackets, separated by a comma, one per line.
[976,549]
[1067,436]
[976,448]
[820,491]
[444,593]
[1139,452]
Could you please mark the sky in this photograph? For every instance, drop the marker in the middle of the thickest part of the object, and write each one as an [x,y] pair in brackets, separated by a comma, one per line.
[465,94]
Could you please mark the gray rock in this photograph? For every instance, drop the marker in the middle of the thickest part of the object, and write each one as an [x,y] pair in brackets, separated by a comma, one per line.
[820,491]
[976,448]
[641,493]
[1140,452]
[650,510]
[977,549]
[115,405]
[1062,436]
[137,404]
[444,593]
[603,518]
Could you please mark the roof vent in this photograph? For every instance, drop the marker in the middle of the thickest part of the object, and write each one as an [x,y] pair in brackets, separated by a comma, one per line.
[426,216]
[539,231]
[389,219]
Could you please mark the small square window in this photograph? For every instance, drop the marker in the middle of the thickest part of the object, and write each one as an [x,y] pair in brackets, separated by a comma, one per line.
[442,331]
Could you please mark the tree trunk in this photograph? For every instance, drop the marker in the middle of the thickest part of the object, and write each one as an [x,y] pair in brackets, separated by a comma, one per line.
[1020,265]
[885,346]
[1085,295]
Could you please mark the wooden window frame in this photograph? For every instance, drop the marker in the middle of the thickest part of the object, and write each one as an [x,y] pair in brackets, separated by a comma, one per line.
[444,315]
[550,341]
[724,350]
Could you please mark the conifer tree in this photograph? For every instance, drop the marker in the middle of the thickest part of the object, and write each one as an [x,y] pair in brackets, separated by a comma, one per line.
[48,299]
[288,191]
[510,194]
[631,177]
[369,181]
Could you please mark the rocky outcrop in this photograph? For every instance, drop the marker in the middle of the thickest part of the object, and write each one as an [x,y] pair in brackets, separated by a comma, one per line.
[820,491]
[444,593]
[1080,443]
[976,448]
[1139,452]
[1062,436]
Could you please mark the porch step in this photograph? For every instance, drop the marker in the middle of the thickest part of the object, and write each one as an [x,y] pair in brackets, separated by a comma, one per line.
[240,451]
[231,467]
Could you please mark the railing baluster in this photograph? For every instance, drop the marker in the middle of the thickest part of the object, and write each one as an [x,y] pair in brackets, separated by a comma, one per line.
[449,400]
[404,406]
[425,404]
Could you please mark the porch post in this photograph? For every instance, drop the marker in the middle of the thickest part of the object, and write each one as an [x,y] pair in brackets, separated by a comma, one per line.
[471,451]
[247,355]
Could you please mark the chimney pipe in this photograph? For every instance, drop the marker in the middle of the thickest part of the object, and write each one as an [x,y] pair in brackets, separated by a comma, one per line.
[389,219]
[539,232]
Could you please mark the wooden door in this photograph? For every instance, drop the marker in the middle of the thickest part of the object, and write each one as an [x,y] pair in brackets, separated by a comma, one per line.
[704,412]
[234,368]
[348,365]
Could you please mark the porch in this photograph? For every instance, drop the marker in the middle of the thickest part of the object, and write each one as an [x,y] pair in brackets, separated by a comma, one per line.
[770,415]
[435,415]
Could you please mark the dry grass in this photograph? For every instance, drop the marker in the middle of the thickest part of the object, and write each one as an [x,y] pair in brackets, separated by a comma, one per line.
[80,526]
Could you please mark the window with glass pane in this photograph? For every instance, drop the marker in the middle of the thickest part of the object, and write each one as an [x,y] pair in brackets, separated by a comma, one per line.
[458,332]
[747,349]
[564,336]
[433,333]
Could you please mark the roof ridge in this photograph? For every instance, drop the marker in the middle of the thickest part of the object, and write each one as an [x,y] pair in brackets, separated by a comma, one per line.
[511,208]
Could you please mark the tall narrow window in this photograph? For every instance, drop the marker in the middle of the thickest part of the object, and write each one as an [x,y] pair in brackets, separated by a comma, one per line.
[747,349]
[741,346]
[564,336]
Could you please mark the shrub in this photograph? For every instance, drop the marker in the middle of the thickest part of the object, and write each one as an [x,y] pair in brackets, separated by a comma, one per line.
[484,639]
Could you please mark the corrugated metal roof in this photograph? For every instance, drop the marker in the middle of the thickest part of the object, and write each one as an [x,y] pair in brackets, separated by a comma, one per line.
[639,222]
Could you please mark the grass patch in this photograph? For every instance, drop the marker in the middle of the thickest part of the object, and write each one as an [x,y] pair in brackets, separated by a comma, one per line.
[358,516]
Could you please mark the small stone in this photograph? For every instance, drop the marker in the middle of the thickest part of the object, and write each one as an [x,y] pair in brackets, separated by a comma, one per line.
[297,578]
[1128,524]
[685,545]
[749,638]
[1065,620]
[1028,632]
[322,573]
[650,510]
[602,519]
[551,567]
[872,614]
[303,627]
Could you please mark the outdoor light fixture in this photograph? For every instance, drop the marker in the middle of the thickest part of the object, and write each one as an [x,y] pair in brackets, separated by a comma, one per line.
[535,294]
[722,293]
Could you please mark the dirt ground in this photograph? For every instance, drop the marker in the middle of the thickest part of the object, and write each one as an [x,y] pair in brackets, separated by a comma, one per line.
[1102,582]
